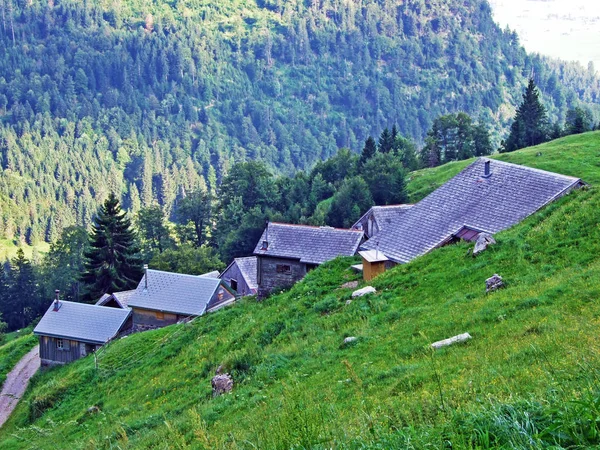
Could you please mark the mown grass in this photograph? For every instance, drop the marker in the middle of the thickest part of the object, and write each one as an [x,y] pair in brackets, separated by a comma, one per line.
[13,348]
[527,379]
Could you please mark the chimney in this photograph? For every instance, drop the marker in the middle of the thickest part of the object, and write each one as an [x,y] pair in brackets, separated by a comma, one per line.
[145,277]
[56,301]
[265,243]
[486,170]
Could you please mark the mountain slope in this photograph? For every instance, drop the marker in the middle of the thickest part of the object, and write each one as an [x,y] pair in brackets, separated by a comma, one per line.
[297,386]
[151,99]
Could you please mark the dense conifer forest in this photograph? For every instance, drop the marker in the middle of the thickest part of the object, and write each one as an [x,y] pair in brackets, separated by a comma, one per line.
[154,100]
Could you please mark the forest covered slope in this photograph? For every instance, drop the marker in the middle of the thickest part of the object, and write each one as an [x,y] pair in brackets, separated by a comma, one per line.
[527,379]
[152,99]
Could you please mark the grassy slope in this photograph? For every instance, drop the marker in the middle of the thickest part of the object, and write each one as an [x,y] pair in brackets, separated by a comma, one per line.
[15,346]
[534,348]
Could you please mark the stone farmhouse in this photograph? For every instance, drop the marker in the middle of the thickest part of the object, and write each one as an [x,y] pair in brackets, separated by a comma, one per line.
[286,253]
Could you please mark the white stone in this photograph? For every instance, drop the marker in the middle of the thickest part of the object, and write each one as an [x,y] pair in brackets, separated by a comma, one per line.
[364,291]
[349,339]
[453,340]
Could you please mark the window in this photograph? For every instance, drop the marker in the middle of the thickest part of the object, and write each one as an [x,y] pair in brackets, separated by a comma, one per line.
[60,344]
[233,284]
[284,268]
[160,315]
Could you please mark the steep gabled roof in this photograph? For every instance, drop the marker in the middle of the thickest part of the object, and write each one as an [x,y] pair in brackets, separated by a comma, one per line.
[383,215]
[82,322]
[122,298]
[248,269]
[174,293]
[491,204]
[312,245]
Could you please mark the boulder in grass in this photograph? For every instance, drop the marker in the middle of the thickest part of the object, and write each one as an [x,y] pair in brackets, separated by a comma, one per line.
[364,291]
[222,383]
[349,339]
[494,283]
[483,241]
[453,340]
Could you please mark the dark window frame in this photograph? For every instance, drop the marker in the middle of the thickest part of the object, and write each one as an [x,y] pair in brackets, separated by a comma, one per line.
[285,269]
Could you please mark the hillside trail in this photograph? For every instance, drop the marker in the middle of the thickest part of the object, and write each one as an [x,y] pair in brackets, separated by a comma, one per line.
[16,383]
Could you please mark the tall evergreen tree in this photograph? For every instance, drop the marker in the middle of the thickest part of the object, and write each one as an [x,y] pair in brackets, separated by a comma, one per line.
[386,141]
[368,151]
[530,126]
[113,262]
[23,302]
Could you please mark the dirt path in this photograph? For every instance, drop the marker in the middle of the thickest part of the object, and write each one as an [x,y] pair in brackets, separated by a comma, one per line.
[16,383]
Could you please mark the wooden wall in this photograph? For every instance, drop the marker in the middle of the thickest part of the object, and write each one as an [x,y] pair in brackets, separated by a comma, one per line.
[234,273]
[50,354]
[270,278]
[153,319]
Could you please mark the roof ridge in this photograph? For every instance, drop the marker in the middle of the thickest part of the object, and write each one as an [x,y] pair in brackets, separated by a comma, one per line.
[317,227]
[178,274]
[535,169]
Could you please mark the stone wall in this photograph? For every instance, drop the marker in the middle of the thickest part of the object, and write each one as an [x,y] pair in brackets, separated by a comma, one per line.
[278,273]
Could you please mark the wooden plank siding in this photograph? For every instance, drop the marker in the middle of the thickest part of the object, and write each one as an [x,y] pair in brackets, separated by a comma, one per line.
[233,276]
[72,350]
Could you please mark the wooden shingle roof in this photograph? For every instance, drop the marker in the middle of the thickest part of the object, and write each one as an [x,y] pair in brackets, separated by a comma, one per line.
[493,203]
[311,245]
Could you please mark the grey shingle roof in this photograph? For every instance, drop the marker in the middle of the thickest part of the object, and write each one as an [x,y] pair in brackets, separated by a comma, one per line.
[312,245]
[383,215]
[247,268]
[174,292]
[492,204]
[82,322]
[122,298]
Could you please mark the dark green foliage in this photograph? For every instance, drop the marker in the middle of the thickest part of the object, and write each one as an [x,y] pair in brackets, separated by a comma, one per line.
[384,176]
[95,98]
[326,305]
[579,120]
[187,259]
[113,262]
[454,137]
[20,300]
[64,263]
[153,231]
[530,126]
[406,150]
[193,215]
[368,150]
[386,141]
[351,201]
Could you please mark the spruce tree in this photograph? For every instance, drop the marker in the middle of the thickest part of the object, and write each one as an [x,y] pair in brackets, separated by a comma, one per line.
[369,151]
[386,141]
[530,126]
[113,262]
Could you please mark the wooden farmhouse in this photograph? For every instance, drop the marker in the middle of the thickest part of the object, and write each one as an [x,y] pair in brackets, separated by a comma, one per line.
[165,298]
[286,253]
[240,275]
[486,197]
[378,218]
[69,330]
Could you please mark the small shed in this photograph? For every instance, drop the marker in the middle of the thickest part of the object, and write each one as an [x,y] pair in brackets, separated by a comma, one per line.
[70,330]
[374,263]
[241,275]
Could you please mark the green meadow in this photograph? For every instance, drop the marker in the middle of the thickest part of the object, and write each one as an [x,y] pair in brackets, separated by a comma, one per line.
[528,379]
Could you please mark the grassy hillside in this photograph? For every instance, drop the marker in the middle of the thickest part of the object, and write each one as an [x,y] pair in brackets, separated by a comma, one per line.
[527,379]
[13,348]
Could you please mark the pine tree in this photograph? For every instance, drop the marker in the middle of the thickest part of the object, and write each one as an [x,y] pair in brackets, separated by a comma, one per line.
[23,301]
[113,262]
[386,141]
[530,126]
[369,151]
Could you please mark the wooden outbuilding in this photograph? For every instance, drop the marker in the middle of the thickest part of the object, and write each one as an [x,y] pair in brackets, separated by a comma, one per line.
[374,263]
[241,276]
[69,331]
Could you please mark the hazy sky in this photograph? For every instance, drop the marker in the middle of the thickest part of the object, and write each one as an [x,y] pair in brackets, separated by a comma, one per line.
[565,29]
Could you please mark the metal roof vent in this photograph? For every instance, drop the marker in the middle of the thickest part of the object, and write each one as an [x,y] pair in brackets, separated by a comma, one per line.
[265,245]
[57,303]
